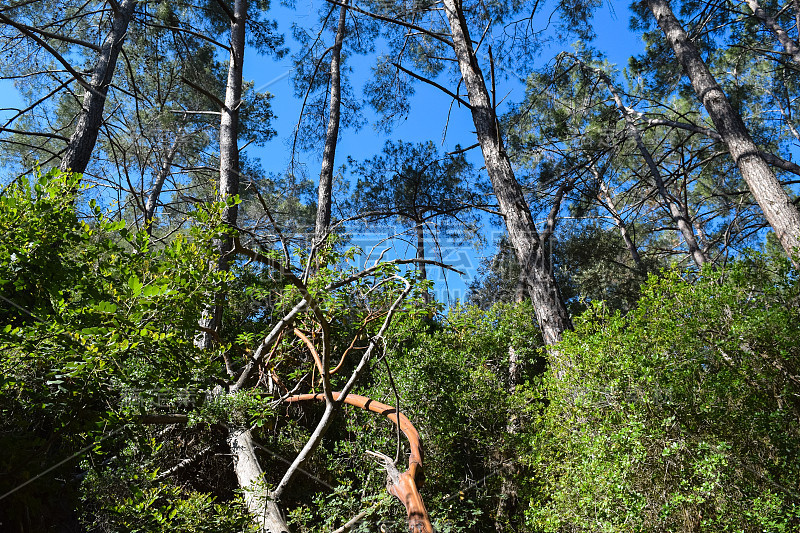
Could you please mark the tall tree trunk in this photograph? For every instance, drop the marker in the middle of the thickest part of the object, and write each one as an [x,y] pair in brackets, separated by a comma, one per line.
[228,162]
[423,272]
[549,308]
[158,184]
[778,209]
[324,199]
[229,128]
[81,144]
[263,509]
[676,210]
[551,313]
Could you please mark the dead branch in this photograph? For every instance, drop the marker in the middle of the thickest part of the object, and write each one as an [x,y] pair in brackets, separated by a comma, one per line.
[401,485]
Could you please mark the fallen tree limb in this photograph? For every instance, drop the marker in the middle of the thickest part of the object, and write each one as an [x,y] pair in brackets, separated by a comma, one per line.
[401,485]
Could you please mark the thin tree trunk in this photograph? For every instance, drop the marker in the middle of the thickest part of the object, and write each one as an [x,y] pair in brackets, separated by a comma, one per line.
[778,209]
[551,313]
[607,200]
[158,184]
[509,486]
[263,509]
[324,199]
[228,162]
[423,272]
[81,144]
[788,44]
[676,210]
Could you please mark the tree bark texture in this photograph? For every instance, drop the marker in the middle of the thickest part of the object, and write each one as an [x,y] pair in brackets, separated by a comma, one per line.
[676,210]
[775,203]
[262,507]
[229,125]
[551,313]
[324,198]
[83,140]
[767,20]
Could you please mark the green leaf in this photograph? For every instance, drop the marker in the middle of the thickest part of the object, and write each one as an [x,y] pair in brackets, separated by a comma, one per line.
[152,291]
[135,285]
[106,307]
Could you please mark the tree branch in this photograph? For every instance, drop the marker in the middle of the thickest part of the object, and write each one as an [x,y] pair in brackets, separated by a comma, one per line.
[58,37]
[332,404]
[190,32]
[37,134]
[203,91]
[553,215]
[22,29]
[769,157]
[394,21]
[430,82]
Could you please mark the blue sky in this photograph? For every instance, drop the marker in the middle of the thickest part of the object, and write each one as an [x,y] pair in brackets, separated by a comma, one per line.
[426,120]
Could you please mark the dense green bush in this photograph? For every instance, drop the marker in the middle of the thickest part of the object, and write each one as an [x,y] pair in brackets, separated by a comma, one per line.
[97,327]
[682,415]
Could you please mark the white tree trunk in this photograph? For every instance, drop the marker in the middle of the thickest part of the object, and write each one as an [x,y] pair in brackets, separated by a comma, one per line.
[228,162]
[262,507]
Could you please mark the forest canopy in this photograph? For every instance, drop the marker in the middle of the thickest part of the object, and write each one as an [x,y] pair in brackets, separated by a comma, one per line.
[215,319]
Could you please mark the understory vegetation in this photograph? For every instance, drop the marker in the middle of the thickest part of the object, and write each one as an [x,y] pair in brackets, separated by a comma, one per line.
[680,414]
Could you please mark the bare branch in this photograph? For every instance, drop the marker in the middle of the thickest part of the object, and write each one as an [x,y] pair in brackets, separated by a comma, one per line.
[769,157]
[371,270]
[188,31]
[37,134]
[183,464]
[203,91]
[265,345]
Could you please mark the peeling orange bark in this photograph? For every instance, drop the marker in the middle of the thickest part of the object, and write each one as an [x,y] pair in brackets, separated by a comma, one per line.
[401,485]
